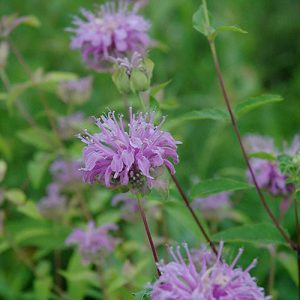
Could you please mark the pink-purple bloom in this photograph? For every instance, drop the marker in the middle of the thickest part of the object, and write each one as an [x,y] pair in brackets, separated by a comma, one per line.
[76,91]
[68,125]
[66,172]
[133,156]
[213,206]
[54,205]
[114,30]
[207,278]
[94,243]
[267,172]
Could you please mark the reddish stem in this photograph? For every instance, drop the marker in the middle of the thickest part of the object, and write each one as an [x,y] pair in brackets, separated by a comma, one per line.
[187,203]
[144,219]
[245,156]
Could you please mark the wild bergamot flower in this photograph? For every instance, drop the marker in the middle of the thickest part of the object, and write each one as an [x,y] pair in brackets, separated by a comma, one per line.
[132,156]
[209,278]
[114,30]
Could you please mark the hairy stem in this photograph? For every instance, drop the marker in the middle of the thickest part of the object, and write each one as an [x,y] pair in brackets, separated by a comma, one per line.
[187,203]
[238,135]
[148,233]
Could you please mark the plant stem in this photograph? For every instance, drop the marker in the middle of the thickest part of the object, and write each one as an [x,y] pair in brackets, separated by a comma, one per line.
[144,219]
[187,203]
[142,102]
[238,135]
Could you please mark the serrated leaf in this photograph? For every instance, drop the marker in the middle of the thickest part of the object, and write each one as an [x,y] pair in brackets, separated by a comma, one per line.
[39,137]
[255,102]
[218,185]
[261,233]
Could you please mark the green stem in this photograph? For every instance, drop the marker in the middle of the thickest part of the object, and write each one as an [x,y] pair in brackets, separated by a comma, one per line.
[141,101]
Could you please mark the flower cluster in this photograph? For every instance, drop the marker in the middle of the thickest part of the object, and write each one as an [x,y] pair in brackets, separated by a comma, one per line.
[68,125]
[114,30]
[66,172]
[214,206]
[211,279]
[132,157]
[54,205]
[267,172]
[76,91]
[93,243]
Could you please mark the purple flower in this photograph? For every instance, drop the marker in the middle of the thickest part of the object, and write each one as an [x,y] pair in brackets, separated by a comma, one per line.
[68,125]
[66,172]
[75,91]
[53,206]
[131,157]
[93,243]
[129,207]
[213,206]
[211,279]
[113,30]
[267,172]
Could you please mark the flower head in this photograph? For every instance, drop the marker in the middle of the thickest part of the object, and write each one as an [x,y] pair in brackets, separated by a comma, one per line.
[76,91]
[52,206]
[211,279]
[131,157]
[267,172]
[68,125]
[66,172]
[114,30]
[213,206]
[93,243]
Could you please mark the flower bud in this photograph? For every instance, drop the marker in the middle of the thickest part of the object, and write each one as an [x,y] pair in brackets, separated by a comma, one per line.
[139,81]
[121,80]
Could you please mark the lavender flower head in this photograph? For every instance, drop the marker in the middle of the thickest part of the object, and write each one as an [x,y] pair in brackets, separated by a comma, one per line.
[52,206]
[66,172]
[212,279]
[267,172]
[76,91]
[94,243]
[132,157]
[213,206]
[114,30]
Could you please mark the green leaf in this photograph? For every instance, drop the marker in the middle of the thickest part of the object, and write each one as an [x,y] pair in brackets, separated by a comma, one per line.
[289,262]
[218,185]
[199,22]
[143,295]
[31,21]
[3,168]
[255,102]
[263,155]
[39,137]
[16,196]
[42,288]
[30,210]
[233,28]
[261,233]
[38,167]
[159,87]
[196,115]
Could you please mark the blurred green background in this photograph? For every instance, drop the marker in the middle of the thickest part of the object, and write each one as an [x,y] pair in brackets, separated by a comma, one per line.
[266,60]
